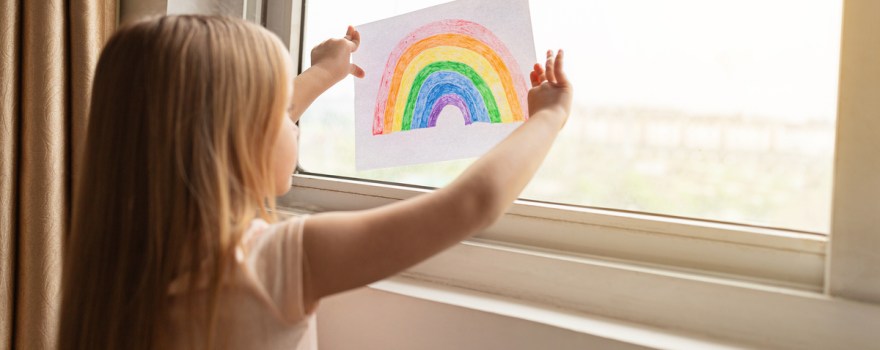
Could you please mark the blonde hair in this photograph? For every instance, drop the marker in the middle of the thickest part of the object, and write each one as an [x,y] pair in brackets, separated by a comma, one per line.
[185,111]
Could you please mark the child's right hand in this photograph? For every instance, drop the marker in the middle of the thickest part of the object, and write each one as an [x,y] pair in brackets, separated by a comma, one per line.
[550,88]
[333,56]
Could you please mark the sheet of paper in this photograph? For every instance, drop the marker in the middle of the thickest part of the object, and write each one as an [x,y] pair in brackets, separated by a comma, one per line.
[442,83]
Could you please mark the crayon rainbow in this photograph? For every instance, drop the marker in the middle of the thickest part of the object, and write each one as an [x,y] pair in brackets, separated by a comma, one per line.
[450,62]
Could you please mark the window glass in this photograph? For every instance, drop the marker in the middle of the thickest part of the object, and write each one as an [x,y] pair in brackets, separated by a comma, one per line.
[712,109]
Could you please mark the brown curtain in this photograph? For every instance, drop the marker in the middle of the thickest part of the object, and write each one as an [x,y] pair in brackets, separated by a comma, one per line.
[48,50]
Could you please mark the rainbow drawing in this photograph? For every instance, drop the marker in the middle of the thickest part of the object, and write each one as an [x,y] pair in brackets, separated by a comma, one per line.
[449,62]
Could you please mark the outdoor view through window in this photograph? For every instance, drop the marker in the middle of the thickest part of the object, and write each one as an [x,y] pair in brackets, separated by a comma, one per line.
[712,109]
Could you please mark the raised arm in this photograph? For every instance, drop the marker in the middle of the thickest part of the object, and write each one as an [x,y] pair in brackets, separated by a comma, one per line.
[346,250]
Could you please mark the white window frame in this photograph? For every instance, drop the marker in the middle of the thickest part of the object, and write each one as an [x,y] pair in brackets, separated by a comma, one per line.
[756,286]
[854,271]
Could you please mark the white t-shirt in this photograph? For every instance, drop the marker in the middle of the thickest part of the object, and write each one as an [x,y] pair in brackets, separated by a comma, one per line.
[260,303]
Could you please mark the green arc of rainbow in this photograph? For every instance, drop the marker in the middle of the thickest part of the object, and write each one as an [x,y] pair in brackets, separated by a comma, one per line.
[449,66]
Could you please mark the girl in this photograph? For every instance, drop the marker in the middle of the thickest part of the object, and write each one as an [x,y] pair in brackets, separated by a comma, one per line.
[191,136]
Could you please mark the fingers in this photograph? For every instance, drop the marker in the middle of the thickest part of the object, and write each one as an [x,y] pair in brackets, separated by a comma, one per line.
[552,72]
[537,75]
[561,77]
[542,77]
[357,71]
[534,75]
[550,68]
[353,38]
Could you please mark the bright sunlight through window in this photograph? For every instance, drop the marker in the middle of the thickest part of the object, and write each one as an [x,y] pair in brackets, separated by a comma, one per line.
[711,109]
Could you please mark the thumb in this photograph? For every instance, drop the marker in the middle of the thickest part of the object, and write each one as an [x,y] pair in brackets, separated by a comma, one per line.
[357,71]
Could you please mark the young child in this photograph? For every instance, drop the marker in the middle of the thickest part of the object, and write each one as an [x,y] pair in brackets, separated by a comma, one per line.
[191,136]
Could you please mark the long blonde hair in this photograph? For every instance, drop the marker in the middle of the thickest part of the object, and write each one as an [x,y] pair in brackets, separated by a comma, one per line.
[184,113]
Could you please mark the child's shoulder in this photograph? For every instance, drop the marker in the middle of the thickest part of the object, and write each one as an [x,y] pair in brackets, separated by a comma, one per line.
[261,232]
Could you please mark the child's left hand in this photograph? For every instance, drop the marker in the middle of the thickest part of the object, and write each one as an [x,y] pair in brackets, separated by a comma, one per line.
[333,56]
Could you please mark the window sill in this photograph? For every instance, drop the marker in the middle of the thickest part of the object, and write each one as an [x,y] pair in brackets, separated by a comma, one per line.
[612,330]
[758,304]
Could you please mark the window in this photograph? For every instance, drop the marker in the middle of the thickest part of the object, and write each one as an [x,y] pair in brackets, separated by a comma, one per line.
[720,110]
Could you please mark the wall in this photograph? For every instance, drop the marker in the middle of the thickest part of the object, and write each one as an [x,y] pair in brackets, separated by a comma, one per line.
[373,319]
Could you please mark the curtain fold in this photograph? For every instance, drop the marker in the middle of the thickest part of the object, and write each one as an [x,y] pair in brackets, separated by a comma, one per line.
[9,97]
[49,50]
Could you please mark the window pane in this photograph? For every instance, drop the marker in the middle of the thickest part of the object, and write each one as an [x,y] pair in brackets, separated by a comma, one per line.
[712,109]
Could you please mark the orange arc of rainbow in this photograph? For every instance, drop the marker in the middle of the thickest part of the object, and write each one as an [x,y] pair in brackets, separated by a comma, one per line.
[459,40]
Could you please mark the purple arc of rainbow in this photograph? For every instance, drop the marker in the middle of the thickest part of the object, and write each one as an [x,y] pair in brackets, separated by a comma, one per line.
[446,100]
